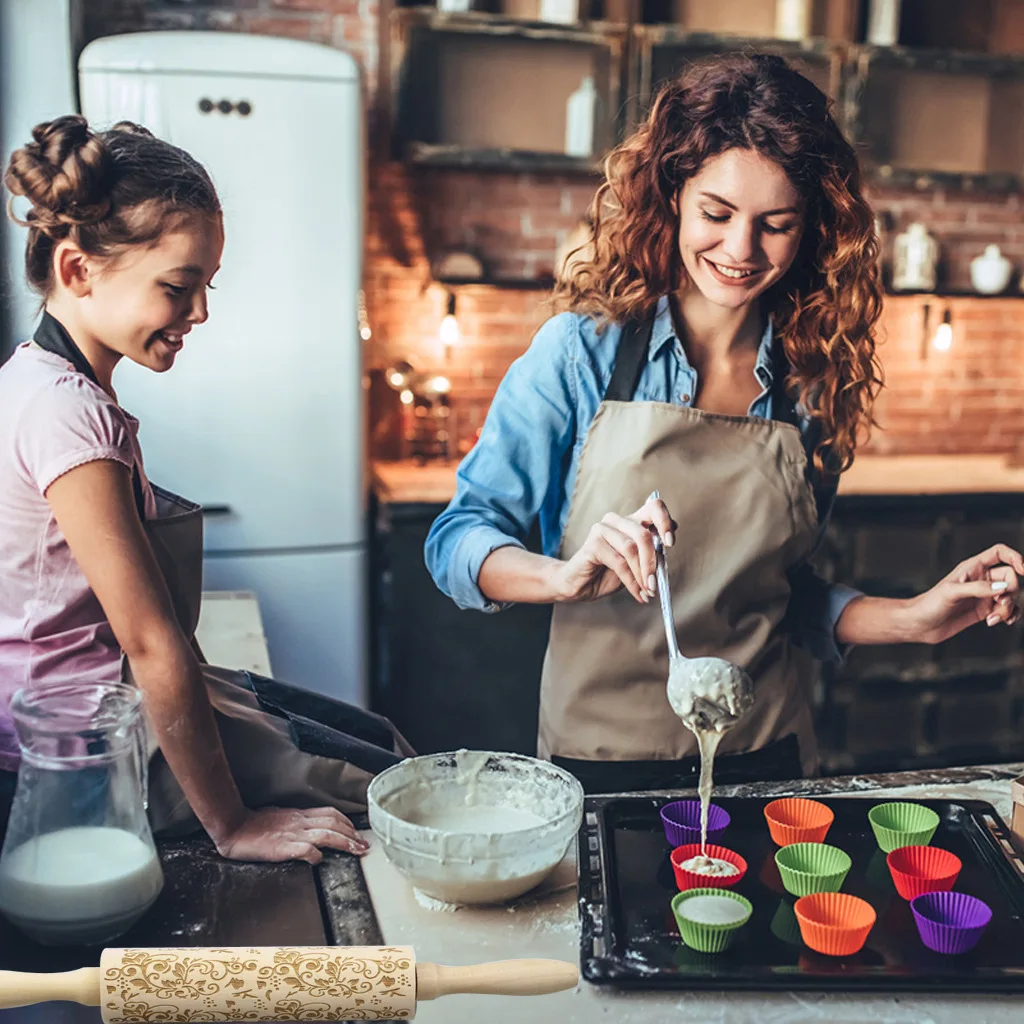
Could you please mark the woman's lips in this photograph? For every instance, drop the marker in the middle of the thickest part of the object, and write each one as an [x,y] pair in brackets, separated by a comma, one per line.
[730,279]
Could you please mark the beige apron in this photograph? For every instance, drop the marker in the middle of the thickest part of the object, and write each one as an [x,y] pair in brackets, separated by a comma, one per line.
[737,488]
[268,766]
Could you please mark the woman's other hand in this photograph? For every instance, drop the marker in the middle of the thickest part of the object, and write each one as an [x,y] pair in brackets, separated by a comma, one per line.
[274,834]
[618,552]
[980,589]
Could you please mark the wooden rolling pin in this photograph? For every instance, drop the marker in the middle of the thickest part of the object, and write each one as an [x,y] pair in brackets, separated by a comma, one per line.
[275,983]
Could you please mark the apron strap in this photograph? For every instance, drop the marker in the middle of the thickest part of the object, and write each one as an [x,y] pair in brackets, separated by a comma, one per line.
[51,336]
[630,358]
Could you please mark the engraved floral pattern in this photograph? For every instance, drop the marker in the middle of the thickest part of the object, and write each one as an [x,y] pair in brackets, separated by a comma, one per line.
[273,984]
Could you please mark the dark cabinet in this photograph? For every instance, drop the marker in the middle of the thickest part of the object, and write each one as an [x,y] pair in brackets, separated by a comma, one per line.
[449,678]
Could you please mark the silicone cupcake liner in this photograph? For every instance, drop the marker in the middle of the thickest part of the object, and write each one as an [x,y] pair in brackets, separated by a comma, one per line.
[812,867]
[689,880]
[950,922]
[902,824]
[709,938]
[681,819]
[919,869]
[796,820]
[834,923]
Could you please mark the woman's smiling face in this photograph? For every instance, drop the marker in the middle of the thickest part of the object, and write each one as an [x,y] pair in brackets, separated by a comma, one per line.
[740,224]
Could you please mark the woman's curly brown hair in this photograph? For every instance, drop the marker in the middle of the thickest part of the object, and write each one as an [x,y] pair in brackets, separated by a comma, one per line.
[825,309]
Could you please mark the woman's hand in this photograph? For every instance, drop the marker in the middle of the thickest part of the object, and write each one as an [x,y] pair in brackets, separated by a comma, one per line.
[618,552]
[980,589]
[274,834]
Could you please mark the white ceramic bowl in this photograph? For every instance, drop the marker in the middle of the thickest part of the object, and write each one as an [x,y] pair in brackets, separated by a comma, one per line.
[481,866]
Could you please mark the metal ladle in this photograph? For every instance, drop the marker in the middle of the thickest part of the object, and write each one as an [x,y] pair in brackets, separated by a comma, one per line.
[708,694]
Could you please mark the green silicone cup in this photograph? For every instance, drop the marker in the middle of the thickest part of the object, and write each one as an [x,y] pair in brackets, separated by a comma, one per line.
[812,867]
[709,938]
[897,825]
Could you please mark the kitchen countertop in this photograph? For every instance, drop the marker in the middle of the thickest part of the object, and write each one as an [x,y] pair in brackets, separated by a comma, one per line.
[546,925]
[401,482]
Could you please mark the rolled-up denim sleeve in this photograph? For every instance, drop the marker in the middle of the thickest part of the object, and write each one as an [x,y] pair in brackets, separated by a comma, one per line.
[514,468]
[815,606]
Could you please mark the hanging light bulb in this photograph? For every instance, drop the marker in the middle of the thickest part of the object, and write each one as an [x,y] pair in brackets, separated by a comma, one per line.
[449,332]
[943,340]
[406,397]
[364,323]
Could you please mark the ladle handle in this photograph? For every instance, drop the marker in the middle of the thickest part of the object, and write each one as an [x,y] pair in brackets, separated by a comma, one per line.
[81,986]
[501,978]
[665,594]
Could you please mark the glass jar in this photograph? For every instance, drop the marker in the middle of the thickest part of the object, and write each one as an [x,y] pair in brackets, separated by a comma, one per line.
[78,865]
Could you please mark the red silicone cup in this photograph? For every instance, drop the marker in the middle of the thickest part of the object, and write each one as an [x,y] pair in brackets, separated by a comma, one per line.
[916,870]
[689,880]
[798,820]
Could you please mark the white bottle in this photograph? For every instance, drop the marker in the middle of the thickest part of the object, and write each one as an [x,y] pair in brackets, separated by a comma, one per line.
[884,22]
[562,12]
[579,119]
[792,19]
[454,6]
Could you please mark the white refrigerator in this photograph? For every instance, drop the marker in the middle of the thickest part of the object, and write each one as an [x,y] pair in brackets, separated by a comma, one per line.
[261,418]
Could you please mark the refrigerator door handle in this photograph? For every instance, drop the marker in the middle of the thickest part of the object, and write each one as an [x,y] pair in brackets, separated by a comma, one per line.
[217,510]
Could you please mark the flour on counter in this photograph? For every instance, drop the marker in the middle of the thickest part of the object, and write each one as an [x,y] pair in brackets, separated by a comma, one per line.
[429,903]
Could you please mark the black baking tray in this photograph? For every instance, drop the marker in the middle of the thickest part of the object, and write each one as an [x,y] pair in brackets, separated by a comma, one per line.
[629,938]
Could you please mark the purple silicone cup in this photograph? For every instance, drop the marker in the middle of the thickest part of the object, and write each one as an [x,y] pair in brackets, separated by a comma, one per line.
[681,819]
[950,922]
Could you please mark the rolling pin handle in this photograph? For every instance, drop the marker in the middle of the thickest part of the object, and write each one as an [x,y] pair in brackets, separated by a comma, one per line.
[501,978]
[81,986]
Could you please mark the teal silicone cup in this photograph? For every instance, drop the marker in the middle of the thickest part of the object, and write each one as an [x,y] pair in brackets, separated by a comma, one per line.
[902,824]
[709,938]
[808,868]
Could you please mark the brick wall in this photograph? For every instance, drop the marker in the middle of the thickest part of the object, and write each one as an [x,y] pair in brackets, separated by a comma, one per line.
[967,399]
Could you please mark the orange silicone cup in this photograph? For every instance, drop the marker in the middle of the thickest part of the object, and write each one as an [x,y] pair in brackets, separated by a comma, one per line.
[690,880]
[834,923]
[916,870]
[797,820]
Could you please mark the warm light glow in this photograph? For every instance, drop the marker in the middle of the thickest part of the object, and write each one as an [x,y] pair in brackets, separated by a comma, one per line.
[449,332]
[439,385]
[396,379]
[943,340]
[406,397]
[365,333]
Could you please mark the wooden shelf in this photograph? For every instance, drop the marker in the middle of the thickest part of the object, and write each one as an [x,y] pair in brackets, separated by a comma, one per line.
[455,156]
[454,76]
[488,92]
[930,118]
[519,284]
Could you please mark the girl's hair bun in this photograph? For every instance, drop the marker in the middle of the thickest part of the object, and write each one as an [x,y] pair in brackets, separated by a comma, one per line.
[65,173]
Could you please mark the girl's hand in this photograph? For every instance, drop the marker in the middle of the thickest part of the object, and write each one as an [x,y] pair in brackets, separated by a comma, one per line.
[618,552]
[982,588]
[274,834]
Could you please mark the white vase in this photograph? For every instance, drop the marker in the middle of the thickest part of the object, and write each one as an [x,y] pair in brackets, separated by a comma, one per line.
[792,19]
[884,22]
[990,272]
[580,113]
[915,256]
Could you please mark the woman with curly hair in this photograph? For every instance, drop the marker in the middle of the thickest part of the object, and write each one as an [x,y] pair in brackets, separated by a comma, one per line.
[718,349]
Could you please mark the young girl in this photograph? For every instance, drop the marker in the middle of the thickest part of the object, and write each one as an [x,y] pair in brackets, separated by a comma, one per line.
[124,238]
[719,349]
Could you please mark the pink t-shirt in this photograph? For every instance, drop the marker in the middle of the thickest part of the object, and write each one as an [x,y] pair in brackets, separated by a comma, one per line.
[52,627]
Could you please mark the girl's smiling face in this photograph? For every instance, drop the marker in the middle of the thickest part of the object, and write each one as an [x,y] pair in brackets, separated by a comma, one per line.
[142,303]
[740,225]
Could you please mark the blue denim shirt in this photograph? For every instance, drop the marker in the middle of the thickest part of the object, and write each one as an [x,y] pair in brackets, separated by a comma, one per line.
[524,465]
